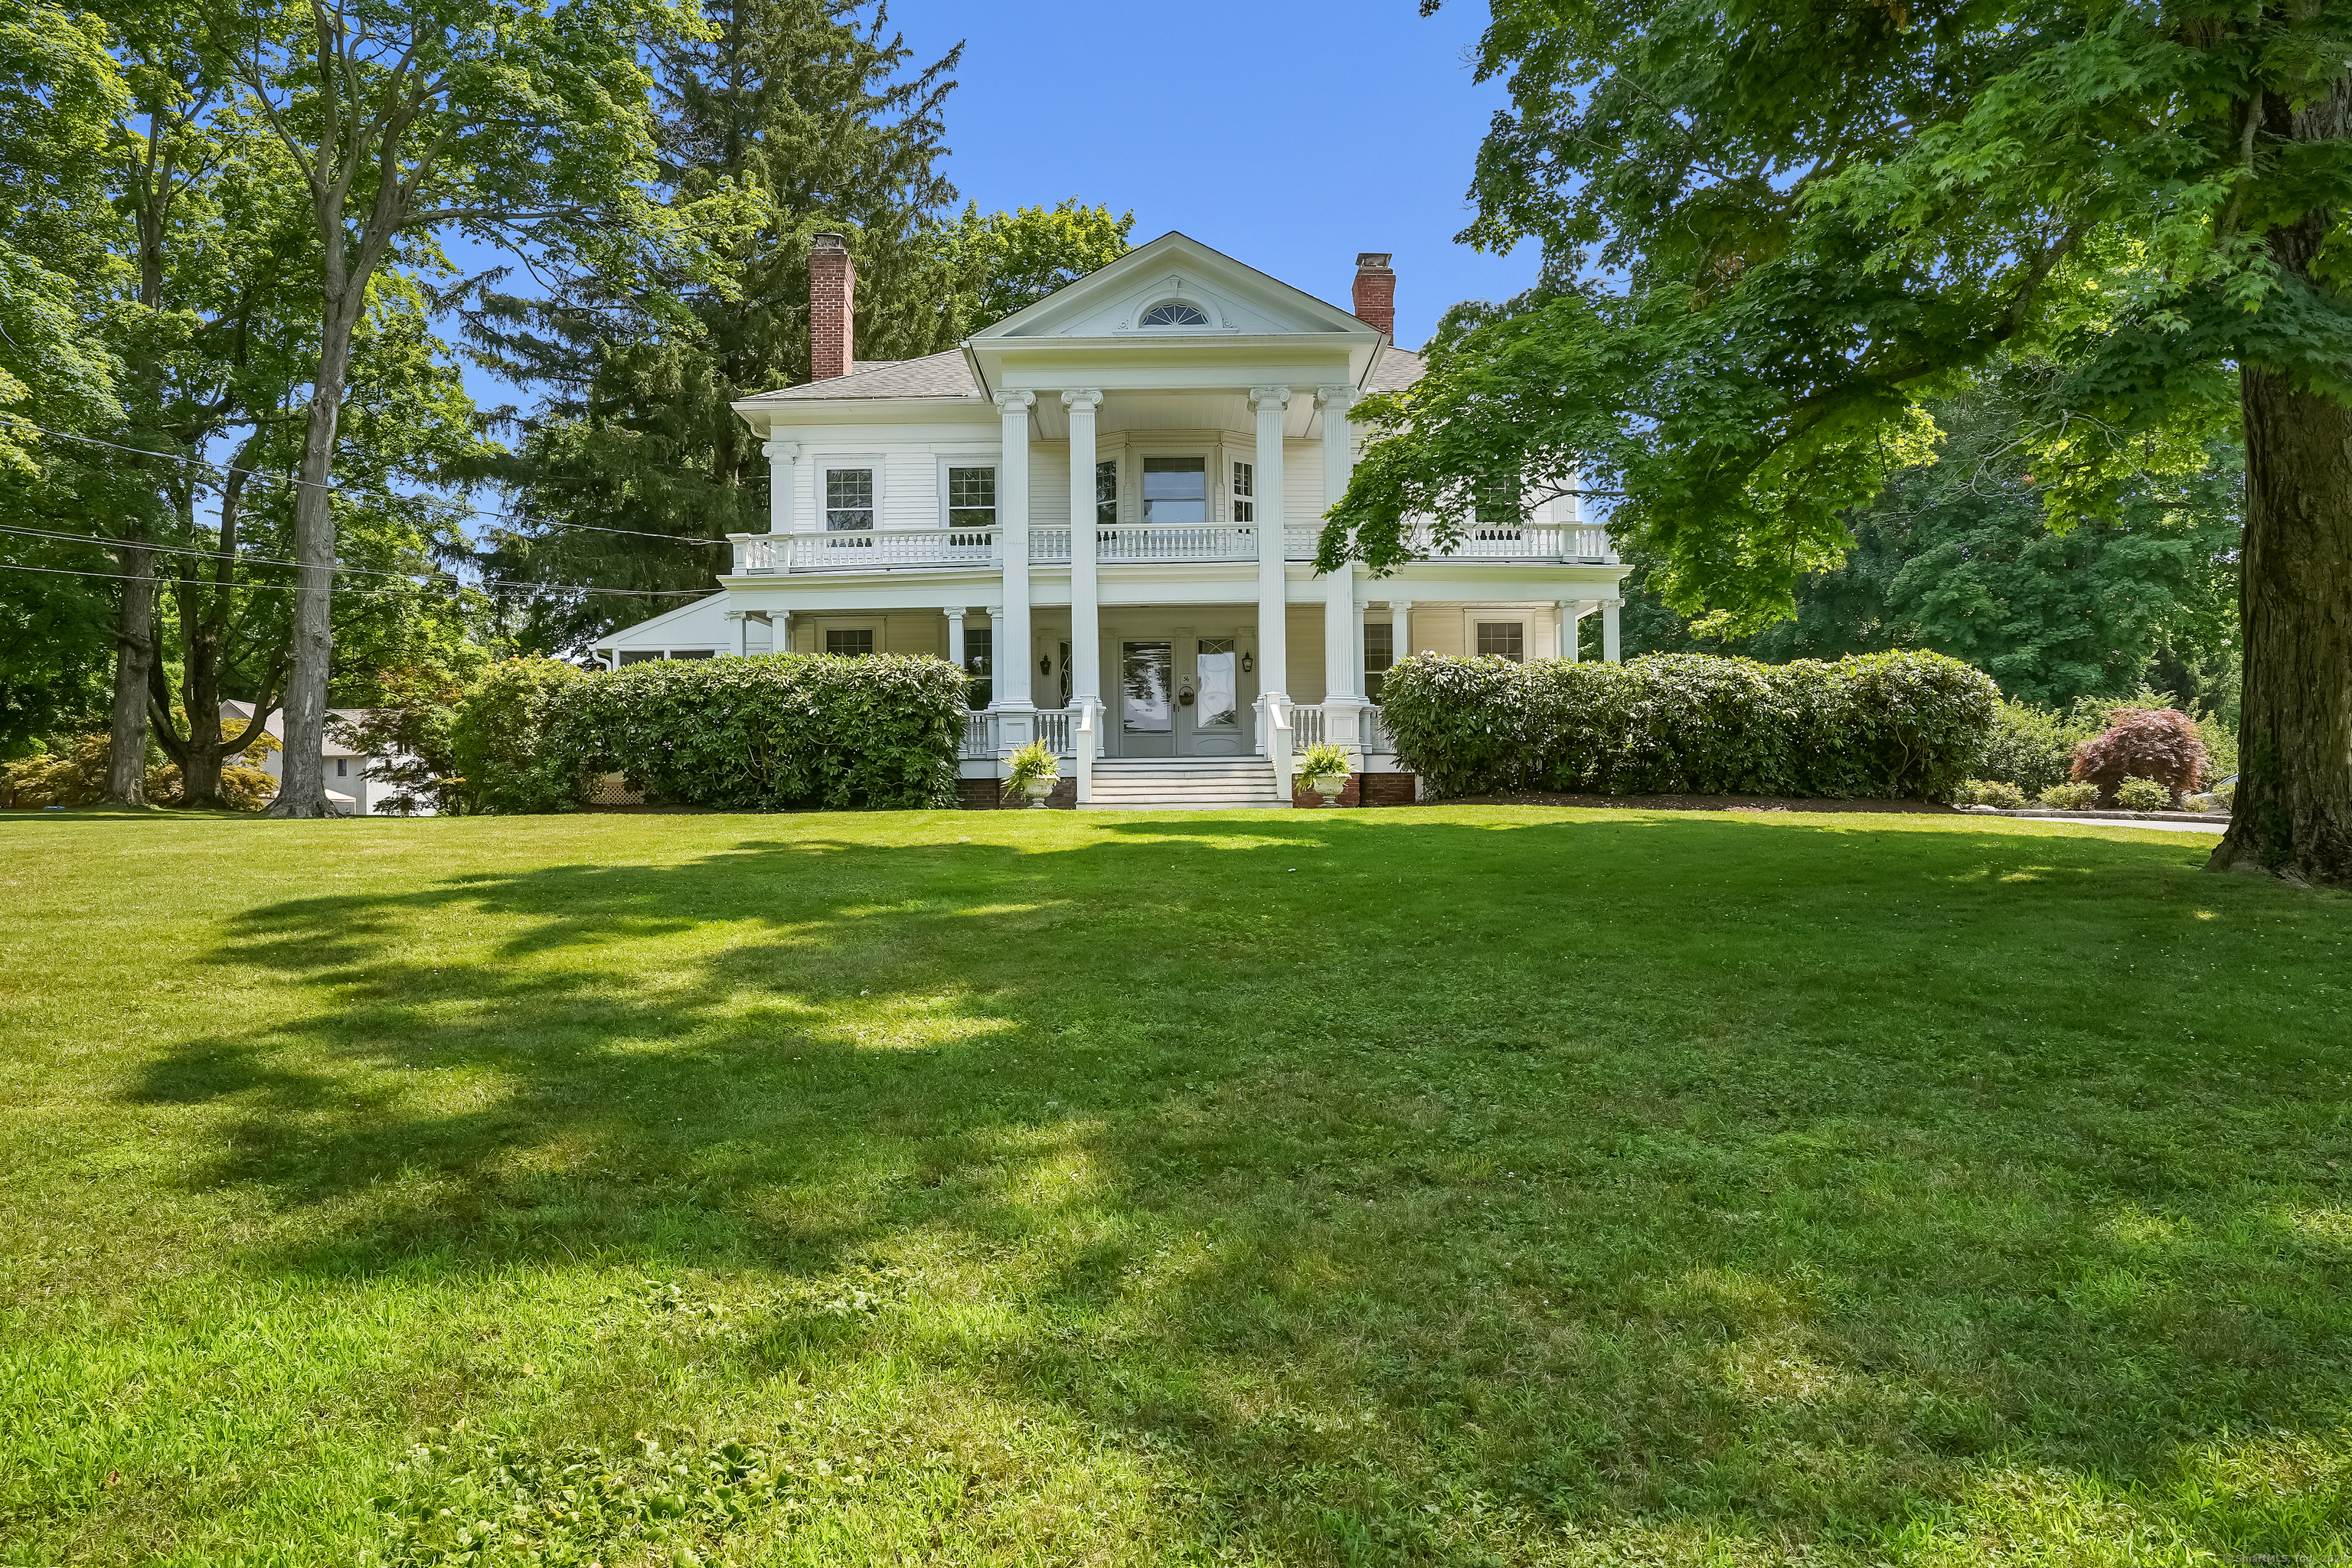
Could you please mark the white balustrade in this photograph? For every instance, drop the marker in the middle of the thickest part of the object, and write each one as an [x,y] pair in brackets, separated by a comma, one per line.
[1306,724]
[1054,729]
[978,736]
[1378,742]
[892,549]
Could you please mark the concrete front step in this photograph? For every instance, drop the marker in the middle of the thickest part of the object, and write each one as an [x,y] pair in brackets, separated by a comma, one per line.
[1184,784]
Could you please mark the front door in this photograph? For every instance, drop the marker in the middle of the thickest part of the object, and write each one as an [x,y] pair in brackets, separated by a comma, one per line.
[1210,700]
[1147,707]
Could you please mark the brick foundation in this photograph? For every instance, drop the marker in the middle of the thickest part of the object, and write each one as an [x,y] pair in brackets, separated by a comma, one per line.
[989,794]
[1307,800]
[1387,789]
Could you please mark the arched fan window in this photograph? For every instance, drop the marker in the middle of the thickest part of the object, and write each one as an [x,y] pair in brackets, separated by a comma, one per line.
[1175,313]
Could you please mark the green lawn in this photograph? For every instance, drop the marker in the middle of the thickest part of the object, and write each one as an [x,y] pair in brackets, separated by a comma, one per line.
[1451,1185]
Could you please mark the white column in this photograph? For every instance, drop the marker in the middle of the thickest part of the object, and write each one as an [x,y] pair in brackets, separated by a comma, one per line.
[1563,614]
[1272,404]
[780,631]
[784,481]
[1608,652]
[742,633]
[1400,629]
[1012,651]
[1085,600]
[955,637]
[1577,611]
[1343,671]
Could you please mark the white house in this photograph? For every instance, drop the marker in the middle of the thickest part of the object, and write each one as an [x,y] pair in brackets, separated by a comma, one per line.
[351,789]
[1181,648]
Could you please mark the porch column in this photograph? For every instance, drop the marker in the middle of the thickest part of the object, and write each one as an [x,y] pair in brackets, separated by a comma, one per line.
[1086,599]
[1563,614]
[1343,670]
[955,637]
[1011,645]
[783,478]
[1609,651]
[780,631]
[1400,629]
[1272,404]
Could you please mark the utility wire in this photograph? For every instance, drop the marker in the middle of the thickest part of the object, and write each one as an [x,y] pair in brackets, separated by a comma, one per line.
[335,489]
[290,587]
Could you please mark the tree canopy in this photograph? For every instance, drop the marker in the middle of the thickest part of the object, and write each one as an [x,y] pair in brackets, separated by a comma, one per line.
[1772,236]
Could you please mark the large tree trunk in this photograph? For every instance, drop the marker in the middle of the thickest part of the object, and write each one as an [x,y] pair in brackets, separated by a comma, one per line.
[2292,812]
[302,783]
[134,656]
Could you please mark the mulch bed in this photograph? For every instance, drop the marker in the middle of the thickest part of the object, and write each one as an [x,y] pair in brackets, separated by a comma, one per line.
[1709,802]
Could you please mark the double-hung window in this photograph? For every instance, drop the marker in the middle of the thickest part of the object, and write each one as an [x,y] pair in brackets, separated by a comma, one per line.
[849,642]
[1379,653]
[1244,492]
[1107,493]
[972,499]
[1505,639]
[848,500]
[1175,491]
[979,665]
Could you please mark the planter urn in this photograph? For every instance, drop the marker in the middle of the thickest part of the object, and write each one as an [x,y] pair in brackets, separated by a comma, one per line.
[1039,790]
[1328,785]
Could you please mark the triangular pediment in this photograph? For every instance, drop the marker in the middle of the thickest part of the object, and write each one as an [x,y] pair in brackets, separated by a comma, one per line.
[1193,290]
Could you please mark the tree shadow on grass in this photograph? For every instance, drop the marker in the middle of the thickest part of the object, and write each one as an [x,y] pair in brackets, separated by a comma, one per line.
[1798,1184]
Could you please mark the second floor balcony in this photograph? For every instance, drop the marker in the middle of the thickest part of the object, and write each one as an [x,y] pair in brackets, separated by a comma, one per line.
[932,548]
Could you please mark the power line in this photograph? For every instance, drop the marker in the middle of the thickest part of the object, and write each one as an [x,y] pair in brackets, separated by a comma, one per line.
[290,587]
[334,489]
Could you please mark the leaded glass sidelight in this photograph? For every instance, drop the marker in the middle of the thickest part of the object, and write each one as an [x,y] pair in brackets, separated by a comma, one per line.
[1175,313]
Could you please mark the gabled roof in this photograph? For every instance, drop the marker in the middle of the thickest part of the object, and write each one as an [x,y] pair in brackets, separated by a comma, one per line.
[1237,297]
[933,375]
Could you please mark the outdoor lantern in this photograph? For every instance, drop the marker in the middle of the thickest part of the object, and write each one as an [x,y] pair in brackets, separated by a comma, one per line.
[1247,664]
[1045,665]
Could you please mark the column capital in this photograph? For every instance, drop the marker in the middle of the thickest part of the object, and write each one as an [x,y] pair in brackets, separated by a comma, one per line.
[774,447]
[1085,398]
[956,614]
[1013,398]
[1340,398]
[1277,396]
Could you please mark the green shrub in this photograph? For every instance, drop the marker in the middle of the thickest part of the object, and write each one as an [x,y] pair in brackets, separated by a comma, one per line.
[1322,761]
[1998,793]
[767,733]
[2071,796]
[2143,795]
[1891,725]
[498,740]
[2032,747]
[1031,762]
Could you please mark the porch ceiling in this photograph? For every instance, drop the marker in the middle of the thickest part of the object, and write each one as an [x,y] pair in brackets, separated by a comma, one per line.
[1174,409]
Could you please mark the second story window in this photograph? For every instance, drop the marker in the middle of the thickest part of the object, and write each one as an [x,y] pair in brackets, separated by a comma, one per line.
[971,497]
[848,499]
[1175,491]
[1106,494]
[1244,492]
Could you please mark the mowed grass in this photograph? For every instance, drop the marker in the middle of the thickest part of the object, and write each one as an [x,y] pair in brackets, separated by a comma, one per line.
[1447,1186]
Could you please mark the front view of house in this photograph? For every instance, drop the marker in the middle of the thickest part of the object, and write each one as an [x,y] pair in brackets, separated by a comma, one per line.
[1191,414]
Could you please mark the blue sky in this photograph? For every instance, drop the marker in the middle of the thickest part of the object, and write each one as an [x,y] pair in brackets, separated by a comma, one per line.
[1289,135]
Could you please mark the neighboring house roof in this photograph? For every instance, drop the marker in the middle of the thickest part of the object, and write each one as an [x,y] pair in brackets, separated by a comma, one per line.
[1398,368]
[934,375]
[276,728]
[949,375]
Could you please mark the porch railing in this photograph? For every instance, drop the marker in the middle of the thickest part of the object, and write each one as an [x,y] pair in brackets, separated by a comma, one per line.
[1054,729]
[1306,725]
[982,733]
[898,549]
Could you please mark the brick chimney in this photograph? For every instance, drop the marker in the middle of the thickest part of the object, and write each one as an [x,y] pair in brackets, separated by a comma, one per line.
[833,311]
[1375,292]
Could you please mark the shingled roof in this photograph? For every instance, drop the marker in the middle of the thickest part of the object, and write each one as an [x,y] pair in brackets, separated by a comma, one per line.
[949,376]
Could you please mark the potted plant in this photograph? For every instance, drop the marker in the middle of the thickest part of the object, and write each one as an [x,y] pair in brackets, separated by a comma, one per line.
[1324,769]
[1036,771]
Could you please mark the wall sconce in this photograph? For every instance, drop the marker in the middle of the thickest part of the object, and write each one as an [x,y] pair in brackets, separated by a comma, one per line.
[1248,664]
[1045,665]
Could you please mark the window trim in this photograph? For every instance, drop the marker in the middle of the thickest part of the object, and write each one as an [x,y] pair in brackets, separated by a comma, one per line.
[1497,615]
[1240,474]
[872,629]
[820,515]
[994,461]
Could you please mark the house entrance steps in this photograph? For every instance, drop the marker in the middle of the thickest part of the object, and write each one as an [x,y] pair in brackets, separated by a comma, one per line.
[1182,783]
